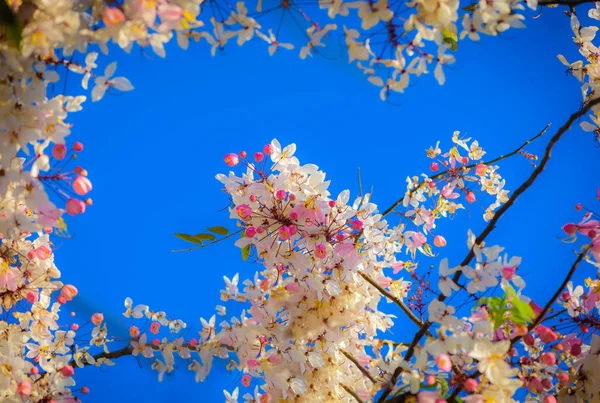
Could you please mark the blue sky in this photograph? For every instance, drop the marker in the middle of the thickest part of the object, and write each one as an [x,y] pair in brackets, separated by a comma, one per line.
[153,153]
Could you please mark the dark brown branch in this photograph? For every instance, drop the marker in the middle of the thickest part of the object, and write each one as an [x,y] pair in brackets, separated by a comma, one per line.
[489,228]
[440,174]
[397,301]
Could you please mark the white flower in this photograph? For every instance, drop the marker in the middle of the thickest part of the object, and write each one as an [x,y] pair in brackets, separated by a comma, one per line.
[105,82]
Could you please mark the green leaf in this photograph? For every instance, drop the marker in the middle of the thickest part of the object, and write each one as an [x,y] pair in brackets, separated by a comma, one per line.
[521,312]
[205,237]
[10,29]
[496,308]
[246,252]
[444,386]
[219,230]
[189,238]
[471,7]
[450,39]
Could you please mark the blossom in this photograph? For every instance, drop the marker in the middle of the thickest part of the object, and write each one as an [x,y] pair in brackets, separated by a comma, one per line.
[104,82]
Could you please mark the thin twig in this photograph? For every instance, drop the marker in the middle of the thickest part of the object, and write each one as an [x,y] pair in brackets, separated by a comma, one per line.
[362,369]
[563,2]
[489,228]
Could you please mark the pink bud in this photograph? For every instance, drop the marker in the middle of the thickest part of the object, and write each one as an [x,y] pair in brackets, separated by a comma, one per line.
[535,385]
[250,232]
[439,241]
[268,149]
[575,350]
[260,230]
[465,160]
[243,154]
[293,230]
[563,377]
[430,380]
[252,363]
[546,383]
[97,319]
[156,342]
[193,342]
[331,203]
[549,399]
[59,151]
[280,195]
[88,201]
[74,327]
[31,296]
[258,157]
[578,206]
[75,207]
[548,358]
[231,159]
[253,198]
[584,328]
[357,225]
[470,385]
[34,371]
[78,146]
[565,296]
[293,216]
[68,292]
[24,388]
[154,327]
[470,197]
[67,371]
[61,300]
[339,237]
[85,390]
[82,185]
[434,166]
[431,185]
[529,339]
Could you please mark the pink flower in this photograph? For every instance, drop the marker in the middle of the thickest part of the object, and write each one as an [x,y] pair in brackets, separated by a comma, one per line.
[284,233]
[246,379]
[480,169]
[232,159]
[508,273]
[68,292]
[134,331]
[448,192]
[244,212]
[112,16]
[154,327]
[97,319]
[82,185]
[24,388]
[292,287]
[252,363]
[444,362]
[321,251]
[8,276]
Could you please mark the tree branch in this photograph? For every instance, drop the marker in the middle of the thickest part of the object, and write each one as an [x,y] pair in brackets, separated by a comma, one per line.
[489,228]
[394,299]
[362,369]
[352,393]
[570,3]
